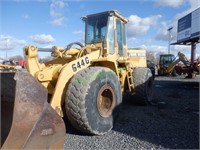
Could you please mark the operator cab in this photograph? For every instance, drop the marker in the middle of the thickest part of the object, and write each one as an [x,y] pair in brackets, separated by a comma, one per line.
[165,60]
[106,29]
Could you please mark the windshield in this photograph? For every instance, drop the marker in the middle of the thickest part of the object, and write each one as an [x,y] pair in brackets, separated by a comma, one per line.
[166,59]
[96,28]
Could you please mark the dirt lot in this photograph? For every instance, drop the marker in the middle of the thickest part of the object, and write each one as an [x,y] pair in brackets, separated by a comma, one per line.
[172,123]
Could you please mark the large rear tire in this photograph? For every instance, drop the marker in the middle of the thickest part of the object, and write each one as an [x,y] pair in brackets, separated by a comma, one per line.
[143,81]
[92,100]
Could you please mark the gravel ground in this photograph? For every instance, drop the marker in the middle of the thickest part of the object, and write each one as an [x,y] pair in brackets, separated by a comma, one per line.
[172,123]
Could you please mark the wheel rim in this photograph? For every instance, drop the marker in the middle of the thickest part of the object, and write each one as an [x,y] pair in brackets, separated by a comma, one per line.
[105,101]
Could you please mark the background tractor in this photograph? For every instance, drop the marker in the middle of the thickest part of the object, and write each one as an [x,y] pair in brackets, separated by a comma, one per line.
[84,83]
[164,62]
[169,65]
[8,65]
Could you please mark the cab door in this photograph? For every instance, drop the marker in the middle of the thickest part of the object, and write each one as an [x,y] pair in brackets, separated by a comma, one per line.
[121,37]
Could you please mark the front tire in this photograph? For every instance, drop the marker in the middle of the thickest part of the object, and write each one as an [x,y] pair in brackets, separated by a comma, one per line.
[92,100]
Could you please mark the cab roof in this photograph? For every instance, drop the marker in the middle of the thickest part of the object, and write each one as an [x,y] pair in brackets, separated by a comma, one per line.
[111,12]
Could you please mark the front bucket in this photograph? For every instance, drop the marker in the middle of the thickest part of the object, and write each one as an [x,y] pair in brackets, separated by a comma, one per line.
[27,120]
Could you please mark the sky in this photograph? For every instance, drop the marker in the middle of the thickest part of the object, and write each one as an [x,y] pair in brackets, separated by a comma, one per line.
[45,23]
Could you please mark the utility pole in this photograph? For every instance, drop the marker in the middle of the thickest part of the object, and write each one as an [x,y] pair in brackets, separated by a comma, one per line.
[7,40]
[169,30]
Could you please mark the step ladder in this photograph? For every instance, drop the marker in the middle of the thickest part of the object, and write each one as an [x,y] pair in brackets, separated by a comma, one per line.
[130,80]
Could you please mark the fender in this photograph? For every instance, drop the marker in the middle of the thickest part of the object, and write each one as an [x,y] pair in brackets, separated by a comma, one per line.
[65,74]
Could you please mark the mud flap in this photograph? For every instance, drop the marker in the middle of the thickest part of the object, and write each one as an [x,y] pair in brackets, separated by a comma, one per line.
[28,121]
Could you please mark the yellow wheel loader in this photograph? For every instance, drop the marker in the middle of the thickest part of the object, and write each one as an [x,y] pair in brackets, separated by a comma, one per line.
[8,65]
[83,82]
